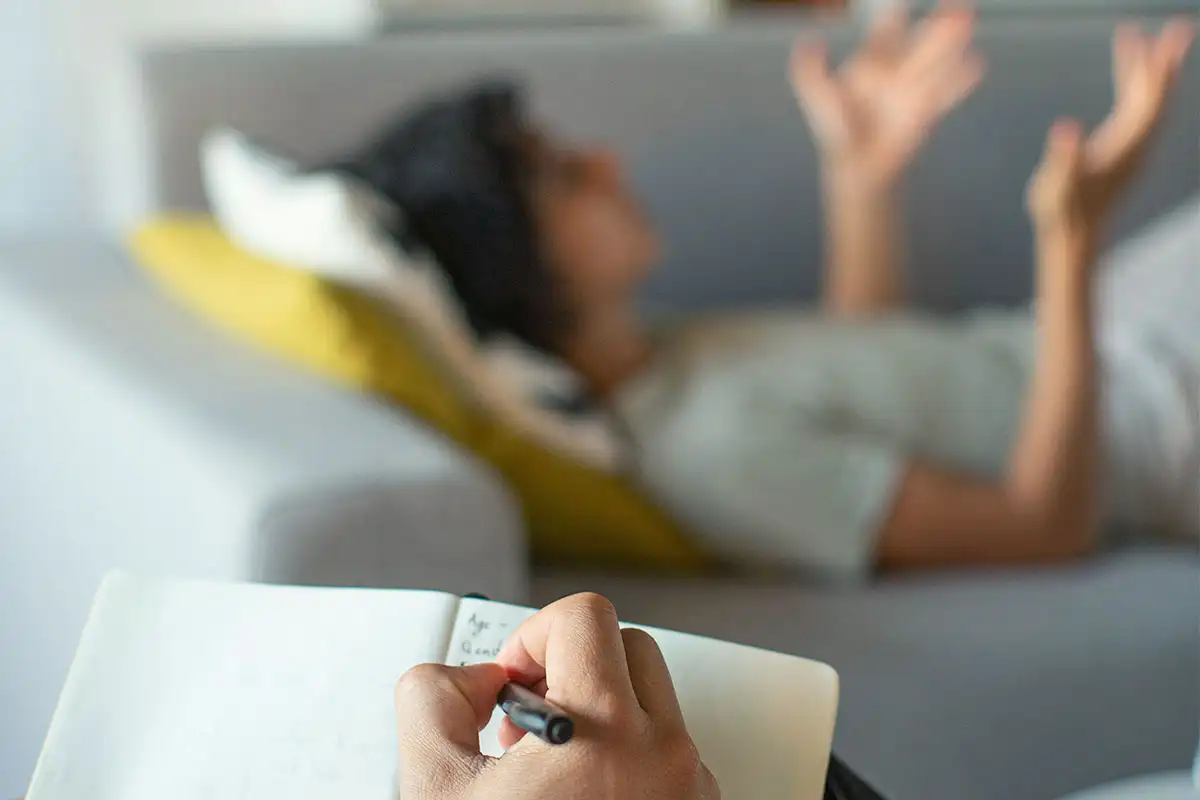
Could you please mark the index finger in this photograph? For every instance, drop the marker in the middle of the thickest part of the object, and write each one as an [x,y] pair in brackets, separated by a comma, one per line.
[887,33]
[575,645]
[1173,44]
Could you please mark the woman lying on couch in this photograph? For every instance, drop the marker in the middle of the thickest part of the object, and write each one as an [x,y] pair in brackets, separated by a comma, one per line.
[857,435]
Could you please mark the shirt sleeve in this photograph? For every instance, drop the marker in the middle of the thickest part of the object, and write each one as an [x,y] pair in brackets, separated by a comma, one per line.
[780,492]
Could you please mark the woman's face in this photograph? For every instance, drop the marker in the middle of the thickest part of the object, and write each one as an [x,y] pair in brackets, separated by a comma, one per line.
[596,238]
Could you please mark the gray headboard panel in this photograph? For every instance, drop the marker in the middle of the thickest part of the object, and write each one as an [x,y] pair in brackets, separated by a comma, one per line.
[710,130]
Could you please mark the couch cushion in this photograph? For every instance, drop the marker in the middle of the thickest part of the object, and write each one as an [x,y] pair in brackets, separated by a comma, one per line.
[1000,685]
[1172,786]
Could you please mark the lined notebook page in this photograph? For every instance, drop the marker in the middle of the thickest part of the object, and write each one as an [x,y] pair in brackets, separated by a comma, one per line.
[763,721]
[193,691]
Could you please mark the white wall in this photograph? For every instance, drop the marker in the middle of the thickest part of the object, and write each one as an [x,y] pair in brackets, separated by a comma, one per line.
[39,173]
[103,37]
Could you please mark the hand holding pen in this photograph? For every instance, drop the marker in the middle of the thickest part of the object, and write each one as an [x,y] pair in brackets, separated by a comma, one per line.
[628,735]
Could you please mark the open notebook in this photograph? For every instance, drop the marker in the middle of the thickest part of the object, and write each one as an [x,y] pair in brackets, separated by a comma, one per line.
[193,690]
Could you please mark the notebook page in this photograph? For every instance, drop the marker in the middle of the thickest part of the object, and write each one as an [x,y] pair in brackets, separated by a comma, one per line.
[480,630]
[763,722]
[191,690]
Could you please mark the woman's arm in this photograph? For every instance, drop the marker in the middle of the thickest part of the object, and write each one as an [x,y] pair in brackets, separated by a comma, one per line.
[864,262]
[1046,508]
[869,119]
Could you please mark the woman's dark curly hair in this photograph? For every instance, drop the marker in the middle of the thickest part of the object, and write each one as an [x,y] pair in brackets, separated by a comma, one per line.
[460,170]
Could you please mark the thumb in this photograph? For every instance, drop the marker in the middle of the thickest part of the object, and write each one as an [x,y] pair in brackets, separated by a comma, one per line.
[1064,147]
[439,713]
[817,90]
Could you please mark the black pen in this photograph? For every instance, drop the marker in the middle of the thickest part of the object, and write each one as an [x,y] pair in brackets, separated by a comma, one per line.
[533,714]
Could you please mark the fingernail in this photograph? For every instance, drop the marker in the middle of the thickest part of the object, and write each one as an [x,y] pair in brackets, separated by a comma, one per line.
[484,671]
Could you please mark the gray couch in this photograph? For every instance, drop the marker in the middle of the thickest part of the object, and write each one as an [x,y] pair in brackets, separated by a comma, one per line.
[132,435]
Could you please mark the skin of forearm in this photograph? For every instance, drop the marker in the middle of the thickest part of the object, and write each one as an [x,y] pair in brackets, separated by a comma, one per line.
[1055,466]
[864,270]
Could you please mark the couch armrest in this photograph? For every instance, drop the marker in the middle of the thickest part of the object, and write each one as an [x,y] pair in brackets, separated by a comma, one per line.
[132,436]
[327,485]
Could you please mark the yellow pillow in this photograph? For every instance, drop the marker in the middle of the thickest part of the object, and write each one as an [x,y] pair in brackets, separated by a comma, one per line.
[573,514]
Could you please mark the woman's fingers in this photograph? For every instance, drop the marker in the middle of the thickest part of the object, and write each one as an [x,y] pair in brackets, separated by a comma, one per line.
[1173,45]
[961,84]
[1064,147]
[1061,161]
[888,35]
[818,91]
[939,69]
[882,103]
[940,42]
[809,69]
[1054,186]
[1129,51]
[1145,69]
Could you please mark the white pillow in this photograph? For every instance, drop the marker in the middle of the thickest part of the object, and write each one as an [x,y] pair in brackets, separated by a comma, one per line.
[328,224]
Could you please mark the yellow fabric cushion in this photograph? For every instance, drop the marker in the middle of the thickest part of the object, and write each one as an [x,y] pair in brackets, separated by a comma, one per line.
[574,514]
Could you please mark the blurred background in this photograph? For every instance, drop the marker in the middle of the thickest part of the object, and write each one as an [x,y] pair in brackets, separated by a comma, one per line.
[176,401]
[43,172]
[67,71]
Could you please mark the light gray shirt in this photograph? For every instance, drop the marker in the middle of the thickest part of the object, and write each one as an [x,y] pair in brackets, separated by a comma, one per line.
[779,438]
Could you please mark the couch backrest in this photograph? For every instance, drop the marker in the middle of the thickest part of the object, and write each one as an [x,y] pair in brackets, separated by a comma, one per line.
[711,132]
